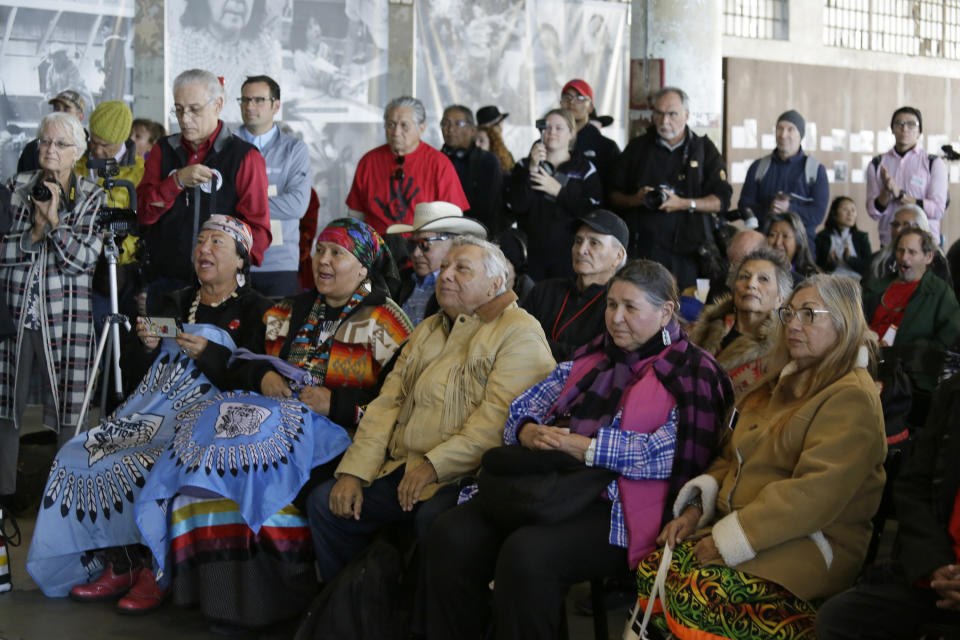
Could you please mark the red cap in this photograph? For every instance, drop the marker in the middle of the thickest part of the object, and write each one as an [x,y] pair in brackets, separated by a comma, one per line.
[581,87]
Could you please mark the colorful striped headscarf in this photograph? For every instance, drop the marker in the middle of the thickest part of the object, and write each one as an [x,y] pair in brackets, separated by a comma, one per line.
[365,244]
[236,229]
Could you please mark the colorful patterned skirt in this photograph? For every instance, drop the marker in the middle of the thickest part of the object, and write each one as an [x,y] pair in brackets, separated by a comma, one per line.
[715,602]
[235,575]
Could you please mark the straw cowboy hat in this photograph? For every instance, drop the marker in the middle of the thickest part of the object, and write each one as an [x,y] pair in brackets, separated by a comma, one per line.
[440,216]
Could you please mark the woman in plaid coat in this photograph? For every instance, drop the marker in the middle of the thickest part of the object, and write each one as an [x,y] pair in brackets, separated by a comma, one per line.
[46,268]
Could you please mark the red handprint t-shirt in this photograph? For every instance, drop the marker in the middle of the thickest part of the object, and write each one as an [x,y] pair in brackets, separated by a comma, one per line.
[386,191]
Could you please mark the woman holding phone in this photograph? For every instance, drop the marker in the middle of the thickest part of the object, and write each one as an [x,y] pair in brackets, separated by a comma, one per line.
[548,191]
[222,297]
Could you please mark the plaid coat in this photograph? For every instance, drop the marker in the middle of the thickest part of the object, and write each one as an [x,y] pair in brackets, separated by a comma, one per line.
[66,257]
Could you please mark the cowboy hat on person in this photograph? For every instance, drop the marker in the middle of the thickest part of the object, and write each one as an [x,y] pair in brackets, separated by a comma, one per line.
[440,216]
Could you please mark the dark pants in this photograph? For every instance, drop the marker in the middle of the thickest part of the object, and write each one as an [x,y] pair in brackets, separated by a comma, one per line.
[532,568]
[275,284]
[338,540]
[884,609]
[31,369]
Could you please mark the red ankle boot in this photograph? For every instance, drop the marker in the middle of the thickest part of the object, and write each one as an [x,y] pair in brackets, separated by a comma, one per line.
[108,585]
[144,597]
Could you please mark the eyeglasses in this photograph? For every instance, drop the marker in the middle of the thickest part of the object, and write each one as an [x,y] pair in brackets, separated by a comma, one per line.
[59,144]
[398,174]
[424,243]
[805,314]
[906,124]
[673,115]
[257,100]
[445,124]
[573,97]
[193,110]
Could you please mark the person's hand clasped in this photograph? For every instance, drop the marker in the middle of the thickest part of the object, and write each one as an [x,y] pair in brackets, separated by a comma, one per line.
[191,345]
[677,530]
[413,482]
[946,582]
[194,174]
[674,203]
[539,436]
[273,385]
[346,497]
[317,398]
[706,550]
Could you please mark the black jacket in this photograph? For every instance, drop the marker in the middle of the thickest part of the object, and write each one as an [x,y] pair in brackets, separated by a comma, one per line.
[925,491]
[570,318]
[547,220]
[482,180]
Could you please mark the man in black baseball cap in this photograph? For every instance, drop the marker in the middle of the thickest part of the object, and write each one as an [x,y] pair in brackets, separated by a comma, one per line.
[571,310]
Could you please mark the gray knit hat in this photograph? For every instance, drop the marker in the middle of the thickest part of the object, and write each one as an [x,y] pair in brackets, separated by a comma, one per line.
[794,118]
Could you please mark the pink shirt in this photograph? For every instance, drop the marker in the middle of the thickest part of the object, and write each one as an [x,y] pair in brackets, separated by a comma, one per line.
[915,175]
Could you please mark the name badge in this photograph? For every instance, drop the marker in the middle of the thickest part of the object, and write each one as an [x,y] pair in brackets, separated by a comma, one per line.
[272,191]
[276,231]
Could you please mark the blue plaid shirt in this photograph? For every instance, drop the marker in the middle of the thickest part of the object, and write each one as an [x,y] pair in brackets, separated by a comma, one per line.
[646,456]
[416,305]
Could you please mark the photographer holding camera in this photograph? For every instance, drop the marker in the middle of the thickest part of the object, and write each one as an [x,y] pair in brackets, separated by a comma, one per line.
[666,184]
[46,267]
[550,189]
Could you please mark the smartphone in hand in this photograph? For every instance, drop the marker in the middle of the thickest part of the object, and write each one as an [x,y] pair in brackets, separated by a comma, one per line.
[163,327]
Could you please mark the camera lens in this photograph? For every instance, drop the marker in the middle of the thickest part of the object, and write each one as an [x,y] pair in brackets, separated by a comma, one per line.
[653,199]
[41,193]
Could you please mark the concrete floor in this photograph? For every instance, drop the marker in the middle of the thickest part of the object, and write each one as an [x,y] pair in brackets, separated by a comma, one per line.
[26,614]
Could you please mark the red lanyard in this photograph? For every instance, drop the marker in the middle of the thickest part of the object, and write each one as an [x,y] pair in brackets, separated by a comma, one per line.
[556,332]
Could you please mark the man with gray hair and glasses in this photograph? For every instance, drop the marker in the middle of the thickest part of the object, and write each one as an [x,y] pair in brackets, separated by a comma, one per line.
[665,184]
[391,179]
[206,161]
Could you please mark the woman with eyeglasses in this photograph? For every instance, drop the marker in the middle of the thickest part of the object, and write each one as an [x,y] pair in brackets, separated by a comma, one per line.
[47,261]
[782,517]
[911,309]
[547,191]
[787,235]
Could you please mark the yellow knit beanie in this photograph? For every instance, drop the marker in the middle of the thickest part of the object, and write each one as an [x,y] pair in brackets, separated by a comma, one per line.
[111,121]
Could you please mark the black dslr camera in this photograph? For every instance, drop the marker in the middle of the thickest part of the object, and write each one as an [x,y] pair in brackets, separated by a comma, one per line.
[656,197]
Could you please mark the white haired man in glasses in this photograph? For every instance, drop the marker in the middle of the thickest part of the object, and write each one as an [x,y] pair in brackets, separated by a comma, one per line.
[230,173]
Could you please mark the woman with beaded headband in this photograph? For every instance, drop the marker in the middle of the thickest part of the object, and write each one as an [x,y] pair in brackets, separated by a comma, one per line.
[341,335]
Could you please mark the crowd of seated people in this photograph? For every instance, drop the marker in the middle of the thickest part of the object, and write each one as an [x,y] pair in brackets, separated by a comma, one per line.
[427,364]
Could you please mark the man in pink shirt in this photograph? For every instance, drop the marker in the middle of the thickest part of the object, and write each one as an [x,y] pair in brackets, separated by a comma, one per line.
[906,174]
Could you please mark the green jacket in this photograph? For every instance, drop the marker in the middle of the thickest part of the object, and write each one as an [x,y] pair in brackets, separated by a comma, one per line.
[931,321]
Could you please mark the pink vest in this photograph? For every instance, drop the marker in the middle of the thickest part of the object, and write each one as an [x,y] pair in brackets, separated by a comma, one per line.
[646,406]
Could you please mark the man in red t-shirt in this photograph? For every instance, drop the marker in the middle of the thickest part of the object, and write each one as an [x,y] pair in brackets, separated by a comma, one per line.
[391,179]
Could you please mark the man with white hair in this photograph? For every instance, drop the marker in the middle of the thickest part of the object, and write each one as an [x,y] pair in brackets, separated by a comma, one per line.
[206,161]
[571,310]
[391,179]
[665,183]
[443,405]
[435,226]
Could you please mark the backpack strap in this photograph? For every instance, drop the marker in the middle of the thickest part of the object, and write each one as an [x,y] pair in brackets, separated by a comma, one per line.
[762,167]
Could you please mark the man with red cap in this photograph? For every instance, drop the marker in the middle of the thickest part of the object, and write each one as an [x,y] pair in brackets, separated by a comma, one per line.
[576,98]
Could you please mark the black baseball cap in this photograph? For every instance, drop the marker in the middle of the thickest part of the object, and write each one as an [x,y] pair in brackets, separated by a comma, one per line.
[606,222]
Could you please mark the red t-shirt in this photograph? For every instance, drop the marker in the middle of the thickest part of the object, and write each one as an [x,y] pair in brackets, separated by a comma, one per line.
[893,304]
[385,199]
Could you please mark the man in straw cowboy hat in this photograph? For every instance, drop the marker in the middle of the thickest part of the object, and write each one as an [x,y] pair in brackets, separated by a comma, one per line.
[435,224]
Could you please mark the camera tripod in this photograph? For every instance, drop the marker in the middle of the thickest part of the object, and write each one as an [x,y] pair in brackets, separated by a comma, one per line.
[109,338]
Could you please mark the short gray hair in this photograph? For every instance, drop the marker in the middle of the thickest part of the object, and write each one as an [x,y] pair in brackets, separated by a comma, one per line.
[419,113]
[69,123]
[209,81]
[684,98]
[781,268]
[466,111]
[920,216]
[494,262]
